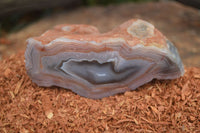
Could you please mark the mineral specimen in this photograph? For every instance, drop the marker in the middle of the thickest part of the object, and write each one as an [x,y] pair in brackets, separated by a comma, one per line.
[95,65]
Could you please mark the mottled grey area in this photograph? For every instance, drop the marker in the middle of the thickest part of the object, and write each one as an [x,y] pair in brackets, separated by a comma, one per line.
[104,73]
[175,55]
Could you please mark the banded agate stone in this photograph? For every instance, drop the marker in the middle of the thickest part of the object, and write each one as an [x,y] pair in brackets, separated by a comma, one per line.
[95,65]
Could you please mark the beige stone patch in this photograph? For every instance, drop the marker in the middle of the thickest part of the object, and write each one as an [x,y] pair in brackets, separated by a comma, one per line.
[141,29]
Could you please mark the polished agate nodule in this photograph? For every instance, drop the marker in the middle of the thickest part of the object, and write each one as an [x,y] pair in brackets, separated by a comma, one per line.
[95,65]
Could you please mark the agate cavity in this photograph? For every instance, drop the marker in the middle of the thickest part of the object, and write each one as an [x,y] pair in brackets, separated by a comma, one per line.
[96,65]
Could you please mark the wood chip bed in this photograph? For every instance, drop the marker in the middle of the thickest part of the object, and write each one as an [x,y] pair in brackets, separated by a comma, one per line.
[159,106]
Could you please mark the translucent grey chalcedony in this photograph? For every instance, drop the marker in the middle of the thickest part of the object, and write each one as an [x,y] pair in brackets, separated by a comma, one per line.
[96,65]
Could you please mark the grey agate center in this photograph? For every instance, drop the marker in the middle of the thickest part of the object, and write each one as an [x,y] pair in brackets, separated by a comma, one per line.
[100,73]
